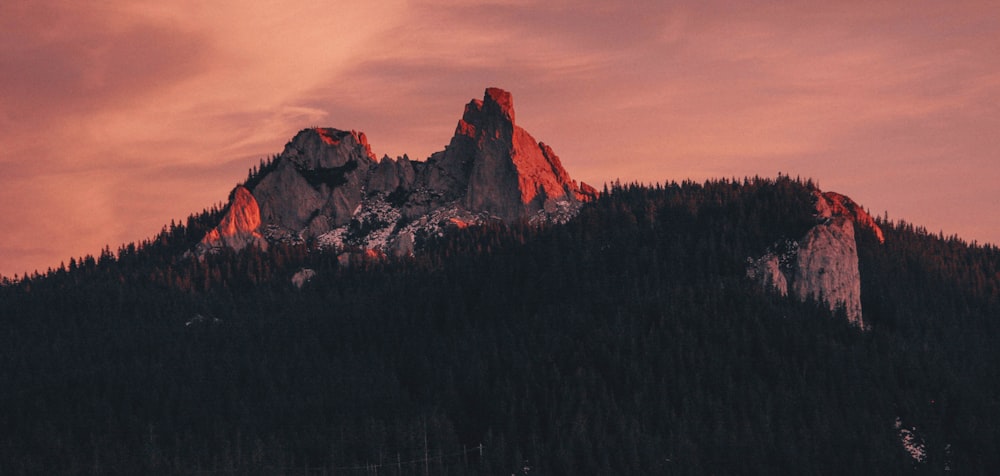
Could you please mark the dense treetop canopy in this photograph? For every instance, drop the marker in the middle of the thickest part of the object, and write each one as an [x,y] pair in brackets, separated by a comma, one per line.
[627,341]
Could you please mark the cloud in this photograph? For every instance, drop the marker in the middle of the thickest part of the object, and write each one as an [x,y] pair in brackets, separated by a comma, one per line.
[63,61]
[122,115]
[118,116]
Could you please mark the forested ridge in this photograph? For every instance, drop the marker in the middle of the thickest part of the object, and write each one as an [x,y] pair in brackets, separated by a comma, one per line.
[627,341]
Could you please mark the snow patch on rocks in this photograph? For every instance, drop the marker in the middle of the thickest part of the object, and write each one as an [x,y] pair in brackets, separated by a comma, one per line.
[911,441]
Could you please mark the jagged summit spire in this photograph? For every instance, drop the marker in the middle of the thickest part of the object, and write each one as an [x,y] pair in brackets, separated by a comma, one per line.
[499,102]
[511,174]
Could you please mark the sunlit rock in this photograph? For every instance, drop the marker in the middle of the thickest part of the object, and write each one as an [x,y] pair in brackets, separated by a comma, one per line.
[512,175]
[833,204]
[328,190]
[238,228]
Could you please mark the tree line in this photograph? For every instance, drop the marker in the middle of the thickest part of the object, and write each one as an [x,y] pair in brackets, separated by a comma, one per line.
[627,341]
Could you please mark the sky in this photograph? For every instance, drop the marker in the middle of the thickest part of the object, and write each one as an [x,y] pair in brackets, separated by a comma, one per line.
[117,117]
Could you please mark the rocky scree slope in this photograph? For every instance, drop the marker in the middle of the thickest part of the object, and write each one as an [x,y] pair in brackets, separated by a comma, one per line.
[328,189]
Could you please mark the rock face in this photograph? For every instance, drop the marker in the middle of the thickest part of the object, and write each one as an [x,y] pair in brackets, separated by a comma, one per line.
[510,174]
[826,268]
[328,189]
[770,272]
[239,227]
[316,184]
[833,204]
[822,265]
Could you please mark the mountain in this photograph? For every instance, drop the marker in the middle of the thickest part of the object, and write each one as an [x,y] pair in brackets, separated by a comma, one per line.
[755,326]
[328,189]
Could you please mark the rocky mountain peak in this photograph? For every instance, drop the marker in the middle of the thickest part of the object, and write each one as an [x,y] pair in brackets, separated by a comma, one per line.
[326,147]
[510,174]
[328,188]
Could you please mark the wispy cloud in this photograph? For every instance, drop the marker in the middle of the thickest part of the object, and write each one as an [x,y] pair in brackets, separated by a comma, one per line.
[118,116]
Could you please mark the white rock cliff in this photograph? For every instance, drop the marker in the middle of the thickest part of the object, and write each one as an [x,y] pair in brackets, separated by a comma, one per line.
[822,265]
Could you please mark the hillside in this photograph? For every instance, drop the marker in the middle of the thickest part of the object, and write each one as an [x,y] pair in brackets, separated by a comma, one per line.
[628,340]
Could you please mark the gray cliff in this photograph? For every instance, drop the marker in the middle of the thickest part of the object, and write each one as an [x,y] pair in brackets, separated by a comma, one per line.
[823,264]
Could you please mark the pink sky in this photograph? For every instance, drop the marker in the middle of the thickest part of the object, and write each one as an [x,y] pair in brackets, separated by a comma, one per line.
[116,117]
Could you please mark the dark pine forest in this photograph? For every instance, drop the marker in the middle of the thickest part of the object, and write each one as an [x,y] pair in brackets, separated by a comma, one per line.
[627,341]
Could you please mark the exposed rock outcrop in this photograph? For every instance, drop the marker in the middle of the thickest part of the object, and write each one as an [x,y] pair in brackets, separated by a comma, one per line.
[391,175]
[327,187]
[317,183]
[494,166]
[238,228]
[512,175]
[302,276]
[822,265]
[770,272]
[826,268]
[833,204]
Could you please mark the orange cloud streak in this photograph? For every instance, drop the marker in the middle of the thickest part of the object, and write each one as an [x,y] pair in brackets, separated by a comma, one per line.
[119,117]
